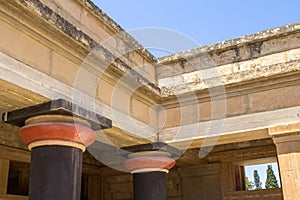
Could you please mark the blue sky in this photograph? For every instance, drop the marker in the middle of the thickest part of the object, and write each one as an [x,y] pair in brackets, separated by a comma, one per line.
[203,21]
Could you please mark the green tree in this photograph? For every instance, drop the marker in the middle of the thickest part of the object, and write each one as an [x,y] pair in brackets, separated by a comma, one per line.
[249,184]
[271,181]
[257,180]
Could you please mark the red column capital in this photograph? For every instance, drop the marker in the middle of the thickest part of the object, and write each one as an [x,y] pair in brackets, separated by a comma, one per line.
[149,161]
[57,130]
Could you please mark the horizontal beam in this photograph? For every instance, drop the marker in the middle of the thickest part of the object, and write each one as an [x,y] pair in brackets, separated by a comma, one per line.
[155,146]
[56,107]
[12,197]
[232,129]
[11,153]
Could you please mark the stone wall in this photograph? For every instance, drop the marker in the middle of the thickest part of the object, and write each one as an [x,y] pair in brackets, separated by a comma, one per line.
[119,187]
[274,194]
[101,28]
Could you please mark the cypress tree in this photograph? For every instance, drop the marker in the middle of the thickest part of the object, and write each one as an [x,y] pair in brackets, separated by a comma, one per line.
[249,184]
[257,180]
[271,181]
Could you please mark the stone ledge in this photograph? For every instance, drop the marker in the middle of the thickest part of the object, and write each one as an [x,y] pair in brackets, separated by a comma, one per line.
[253,38]
[285,129]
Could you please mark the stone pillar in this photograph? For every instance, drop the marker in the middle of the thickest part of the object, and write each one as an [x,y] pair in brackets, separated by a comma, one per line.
[287,141]
[56,143]
[149,169]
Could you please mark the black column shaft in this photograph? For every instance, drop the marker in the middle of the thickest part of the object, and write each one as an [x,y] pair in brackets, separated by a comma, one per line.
[150,186]
[55,173]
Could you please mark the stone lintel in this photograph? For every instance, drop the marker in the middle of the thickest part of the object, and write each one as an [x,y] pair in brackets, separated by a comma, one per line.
[57,107]
[286,129]
[285,133]
[286,138]
[156,146]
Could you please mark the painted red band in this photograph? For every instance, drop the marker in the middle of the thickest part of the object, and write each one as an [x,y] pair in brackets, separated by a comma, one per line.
[149,162]
[57,131]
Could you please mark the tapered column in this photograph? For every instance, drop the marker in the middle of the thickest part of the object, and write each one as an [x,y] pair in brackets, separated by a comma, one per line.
[287,141]
[56,143]
[150,185]
[149,169]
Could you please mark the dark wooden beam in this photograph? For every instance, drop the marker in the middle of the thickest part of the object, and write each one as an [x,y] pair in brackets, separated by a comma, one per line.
[56,107]
[154,147]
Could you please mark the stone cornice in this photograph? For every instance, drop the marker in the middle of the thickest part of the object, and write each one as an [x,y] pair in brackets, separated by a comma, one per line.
[233,43]
[224,76]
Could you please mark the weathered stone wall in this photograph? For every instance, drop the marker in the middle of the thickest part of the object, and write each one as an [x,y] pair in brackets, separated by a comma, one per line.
[234,52]
[269,54]
[9,136]
[274,194]
[201,182]
[258,100]
[125,48]
[101,28]
[119,187]
[174,185]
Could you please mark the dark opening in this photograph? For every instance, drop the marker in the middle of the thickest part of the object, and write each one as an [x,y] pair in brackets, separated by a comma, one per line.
[18,178]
